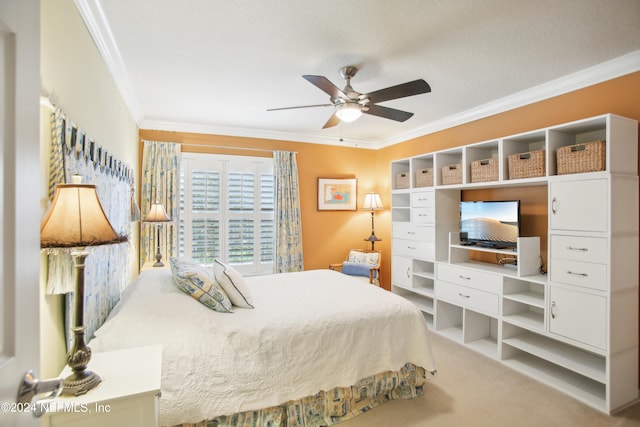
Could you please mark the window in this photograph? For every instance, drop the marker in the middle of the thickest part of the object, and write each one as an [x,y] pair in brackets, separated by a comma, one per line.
[227,211]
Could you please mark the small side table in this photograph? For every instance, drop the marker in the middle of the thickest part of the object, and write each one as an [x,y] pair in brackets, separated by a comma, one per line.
[127,396]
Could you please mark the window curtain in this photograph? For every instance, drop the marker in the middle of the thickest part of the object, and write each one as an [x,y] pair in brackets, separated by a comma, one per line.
[288,219]
[160,183]
[107,269]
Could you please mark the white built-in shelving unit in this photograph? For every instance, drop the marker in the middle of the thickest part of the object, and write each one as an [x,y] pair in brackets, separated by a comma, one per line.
[573,327]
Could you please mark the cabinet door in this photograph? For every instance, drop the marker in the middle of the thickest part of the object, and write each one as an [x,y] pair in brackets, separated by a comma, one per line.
[578,316]
[579,205]
[401,271]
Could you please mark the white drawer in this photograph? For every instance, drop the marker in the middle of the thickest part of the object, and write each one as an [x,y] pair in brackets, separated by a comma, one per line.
[423,199]
[423,215]
[481,280]
[588,249]
[414,249]
[586,274]
[407,231]
[473,299]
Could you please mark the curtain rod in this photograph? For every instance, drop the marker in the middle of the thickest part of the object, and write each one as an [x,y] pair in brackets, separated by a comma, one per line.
[226,147]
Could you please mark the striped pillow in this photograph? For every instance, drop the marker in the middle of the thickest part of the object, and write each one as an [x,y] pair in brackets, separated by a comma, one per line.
[196,281]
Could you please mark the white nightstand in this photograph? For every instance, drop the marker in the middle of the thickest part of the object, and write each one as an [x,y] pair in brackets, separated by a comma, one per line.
[127,396]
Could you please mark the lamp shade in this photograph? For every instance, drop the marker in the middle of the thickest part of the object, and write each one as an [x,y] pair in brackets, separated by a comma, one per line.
[372,202]
[348,112]
[157,213]
[76,218]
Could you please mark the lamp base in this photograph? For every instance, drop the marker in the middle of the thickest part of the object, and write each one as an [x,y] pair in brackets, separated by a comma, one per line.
[81,379]
[80,383]
[158,262]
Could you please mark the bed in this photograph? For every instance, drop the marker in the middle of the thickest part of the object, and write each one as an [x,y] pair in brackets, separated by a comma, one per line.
[317,348]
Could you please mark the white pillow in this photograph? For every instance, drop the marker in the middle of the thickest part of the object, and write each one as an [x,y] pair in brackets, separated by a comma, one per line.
[233,284]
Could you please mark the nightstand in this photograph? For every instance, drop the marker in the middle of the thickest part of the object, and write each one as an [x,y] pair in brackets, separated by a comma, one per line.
[127,396]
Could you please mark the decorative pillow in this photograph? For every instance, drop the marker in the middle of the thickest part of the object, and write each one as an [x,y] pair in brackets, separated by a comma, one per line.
[369,258]
[355,269]
[196,281]
[233,284]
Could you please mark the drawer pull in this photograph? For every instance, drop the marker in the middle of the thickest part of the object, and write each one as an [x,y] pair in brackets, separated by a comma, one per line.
[465,277]
[408,272]
[464,296]
[572,273]
[411,232]
[553,309]
[413,248]
[554,202]
[571,248]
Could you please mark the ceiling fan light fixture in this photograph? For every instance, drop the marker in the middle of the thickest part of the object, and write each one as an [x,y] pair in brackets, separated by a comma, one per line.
[348,112]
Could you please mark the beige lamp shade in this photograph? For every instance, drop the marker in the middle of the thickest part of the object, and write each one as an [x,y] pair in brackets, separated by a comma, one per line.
[76,218]
[157,213]
[372,202]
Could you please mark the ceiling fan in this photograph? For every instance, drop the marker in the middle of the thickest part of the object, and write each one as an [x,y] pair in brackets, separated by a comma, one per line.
[349,104]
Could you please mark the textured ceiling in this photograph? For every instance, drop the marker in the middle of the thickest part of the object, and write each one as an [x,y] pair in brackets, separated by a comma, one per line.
[216,66]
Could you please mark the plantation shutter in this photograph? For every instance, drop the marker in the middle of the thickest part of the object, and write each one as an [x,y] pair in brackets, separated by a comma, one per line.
[227,211]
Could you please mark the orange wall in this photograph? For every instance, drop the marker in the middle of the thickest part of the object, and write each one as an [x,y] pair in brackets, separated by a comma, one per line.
[328,236]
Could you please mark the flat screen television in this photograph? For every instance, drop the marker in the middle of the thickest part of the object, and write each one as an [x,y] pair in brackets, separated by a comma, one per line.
[494,224]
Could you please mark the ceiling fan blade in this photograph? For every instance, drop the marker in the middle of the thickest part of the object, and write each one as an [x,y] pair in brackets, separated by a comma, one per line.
[388,113]
[301,106]
[415,87]
[326,86]
[333,121]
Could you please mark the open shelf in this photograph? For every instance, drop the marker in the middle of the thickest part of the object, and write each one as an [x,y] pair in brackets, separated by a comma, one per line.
[526,319]
[579,361]
[590,392]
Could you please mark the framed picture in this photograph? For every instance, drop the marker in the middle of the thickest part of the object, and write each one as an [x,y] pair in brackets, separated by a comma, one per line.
[337,194]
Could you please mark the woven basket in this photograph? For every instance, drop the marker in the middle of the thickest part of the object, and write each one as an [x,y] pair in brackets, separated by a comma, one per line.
[402,180]
[424,177]
[484,170]
[579,158]
[452,174]
[527,165]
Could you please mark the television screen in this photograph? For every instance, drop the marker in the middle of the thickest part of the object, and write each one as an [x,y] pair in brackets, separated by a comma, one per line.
[490,223]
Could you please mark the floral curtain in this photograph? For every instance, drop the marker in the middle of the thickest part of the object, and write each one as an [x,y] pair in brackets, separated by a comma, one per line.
[289,224]
[107,269]
[160,183]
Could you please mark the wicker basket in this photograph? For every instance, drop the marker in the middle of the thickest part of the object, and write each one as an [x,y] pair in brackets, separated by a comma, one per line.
[579,158]
[402,180]
[527,165]
[484,170]
[452,174]
[424,177]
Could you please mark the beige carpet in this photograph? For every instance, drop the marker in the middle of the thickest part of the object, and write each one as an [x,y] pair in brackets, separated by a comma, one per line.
[473,390]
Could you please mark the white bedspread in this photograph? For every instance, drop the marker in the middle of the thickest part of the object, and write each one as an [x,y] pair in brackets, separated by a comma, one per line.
[309,331]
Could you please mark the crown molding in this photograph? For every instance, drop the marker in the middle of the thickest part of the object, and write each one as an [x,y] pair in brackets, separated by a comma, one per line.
[96,22]
[168,126]
[617,67]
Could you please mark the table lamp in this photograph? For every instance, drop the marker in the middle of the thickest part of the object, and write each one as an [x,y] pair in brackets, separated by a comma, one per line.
[157,214]
[372,202]
[76,220]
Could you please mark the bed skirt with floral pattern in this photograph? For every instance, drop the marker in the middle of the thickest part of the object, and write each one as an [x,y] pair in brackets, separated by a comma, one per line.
[331,407]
